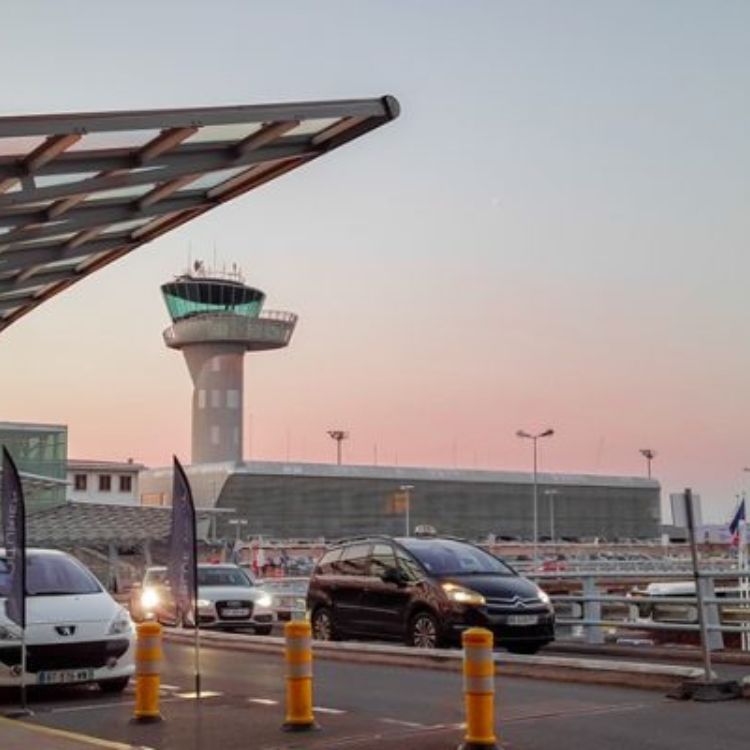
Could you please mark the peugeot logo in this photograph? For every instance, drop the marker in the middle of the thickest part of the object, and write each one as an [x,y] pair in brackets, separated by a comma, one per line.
[65,629]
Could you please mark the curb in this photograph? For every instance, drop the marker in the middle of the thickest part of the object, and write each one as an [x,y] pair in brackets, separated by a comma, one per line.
[646,652]
[560,668]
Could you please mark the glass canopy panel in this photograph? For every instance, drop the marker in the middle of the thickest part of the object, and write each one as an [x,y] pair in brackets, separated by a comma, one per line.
[51,180]
[211,179]
[312,126]
[129,191]
[19,147]
[228,133]
[115,139]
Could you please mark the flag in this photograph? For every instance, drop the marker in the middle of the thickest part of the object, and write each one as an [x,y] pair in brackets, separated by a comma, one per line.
[182,565]
[14,534]
[734,526]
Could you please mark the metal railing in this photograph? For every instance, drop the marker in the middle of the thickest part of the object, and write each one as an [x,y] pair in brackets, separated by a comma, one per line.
[595,609]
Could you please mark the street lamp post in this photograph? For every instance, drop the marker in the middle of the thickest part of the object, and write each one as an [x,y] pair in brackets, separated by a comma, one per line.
[649,455]
[339,436]
[534,438]
[406,489]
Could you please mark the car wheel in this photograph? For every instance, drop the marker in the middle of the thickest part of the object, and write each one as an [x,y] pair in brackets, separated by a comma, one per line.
[524,647]
[114,686]
[263,630]
[323,628]
[424,631]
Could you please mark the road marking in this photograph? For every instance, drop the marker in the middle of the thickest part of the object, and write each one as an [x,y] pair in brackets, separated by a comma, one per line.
[62,734]
[402,723]
[95,706]
[263,701]
[203,694]
[169,687]
[322,710]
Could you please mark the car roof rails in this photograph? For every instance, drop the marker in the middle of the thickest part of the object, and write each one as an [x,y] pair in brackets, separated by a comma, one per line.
[361,538]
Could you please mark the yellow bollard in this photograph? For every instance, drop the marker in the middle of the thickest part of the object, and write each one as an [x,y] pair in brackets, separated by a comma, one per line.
[148,658]
[299,713]
[479,690]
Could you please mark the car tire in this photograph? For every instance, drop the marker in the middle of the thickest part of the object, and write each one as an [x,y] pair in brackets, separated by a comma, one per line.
[116,685]
[528,648]
[263,630]
[323,628]
[424,631]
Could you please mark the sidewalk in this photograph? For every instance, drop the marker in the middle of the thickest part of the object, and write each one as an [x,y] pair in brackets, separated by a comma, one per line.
[19,735]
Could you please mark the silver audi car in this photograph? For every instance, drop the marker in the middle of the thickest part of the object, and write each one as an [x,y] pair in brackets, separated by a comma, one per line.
[227,598]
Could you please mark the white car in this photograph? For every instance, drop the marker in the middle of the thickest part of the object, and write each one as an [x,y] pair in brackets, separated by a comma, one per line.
[227,599]
[75,631]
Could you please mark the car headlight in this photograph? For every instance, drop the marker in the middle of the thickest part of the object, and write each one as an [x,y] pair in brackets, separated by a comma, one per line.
[9,633]
[264,600]
[462,595]
[121,624]
[543,596]
[204,603]
[149,598]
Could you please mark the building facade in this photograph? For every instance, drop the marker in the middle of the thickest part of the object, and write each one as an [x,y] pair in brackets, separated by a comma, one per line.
[103,482]
[40,452]
[298,500]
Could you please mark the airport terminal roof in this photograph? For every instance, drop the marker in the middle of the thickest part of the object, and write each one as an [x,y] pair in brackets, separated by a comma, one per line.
[76,524]
[78,191]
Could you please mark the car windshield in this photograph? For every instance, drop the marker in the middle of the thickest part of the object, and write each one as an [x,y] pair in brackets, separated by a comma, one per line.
[222,577]
[445,557]
[51,575]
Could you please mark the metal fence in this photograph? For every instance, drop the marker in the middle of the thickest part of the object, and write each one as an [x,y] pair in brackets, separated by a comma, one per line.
[593,604]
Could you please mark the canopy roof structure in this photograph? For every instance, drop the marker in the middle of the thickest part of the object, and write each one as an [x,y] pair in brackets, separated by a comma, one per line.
[78,191]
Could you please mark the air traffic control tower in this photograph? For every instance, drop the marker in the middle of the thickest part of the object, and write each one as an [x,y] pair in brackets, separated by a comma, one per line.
[216,318]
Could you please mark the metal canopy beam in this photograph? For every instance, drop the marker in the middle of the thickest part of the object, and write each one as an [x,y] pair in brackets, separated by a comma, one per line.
[72,204]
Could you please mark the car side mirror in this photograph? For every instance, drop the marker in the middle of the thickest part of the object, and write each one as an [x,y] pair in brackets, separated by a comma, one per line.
[393,575]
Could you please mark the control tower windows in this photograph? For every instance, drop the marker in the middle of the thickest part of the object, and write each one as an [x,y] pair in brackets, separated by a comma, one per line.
[233,399]
[215,399]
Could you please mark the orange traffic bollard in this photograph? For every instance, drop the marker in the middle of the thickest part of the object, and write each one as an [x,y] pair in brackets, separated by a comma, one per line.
[148,658]
[299,713]
[479,690]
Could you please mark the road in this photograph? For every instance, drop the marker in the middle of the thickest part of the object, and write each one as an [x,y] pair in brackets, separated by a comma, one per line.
[366,706]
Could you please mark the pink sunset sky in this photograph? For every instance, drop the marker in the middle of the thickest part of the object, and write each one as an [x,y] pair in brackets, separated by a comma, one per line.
[553,234]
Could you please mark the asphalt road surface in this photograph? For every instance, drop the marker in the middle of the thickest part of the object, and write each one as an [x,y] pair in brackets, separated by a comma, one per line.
[366,706]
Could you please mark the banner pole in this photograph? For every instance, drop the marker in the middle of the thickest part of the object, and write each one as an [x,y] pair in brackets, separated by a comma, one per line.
[197,654]
[24,705]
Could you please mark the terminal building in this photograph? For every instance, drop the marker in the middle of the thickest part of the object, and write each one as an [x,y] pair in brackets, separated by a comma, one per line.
[312,501]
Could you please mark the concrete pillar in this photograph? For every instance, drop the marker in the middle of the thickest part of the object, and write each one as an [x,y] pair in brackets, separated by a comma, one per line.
[217,373]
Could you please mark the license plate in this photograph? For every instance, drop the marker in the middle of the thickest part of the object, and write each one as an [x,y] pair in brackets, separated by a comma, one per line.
[61,676]
[235,612]
[523,619]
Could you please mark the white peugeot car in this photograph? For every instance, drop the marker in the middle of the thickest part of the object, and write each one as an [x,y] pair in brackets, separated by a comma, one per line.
[75,631]
[227,599]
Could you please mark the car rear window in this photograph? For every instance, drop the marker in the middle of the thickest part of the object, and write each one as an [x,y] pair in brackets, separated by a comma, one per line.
[447,557]
[52,575]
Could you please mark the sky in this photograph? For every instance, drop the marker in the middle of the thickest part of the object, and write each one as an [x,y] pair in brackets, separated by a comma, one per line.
[553,234]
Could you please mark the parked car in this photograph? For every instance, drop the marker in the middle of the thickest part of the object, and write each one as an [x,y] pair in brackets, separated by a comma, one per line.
[227,598]
[288,597]
[425,591]
[75,632]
